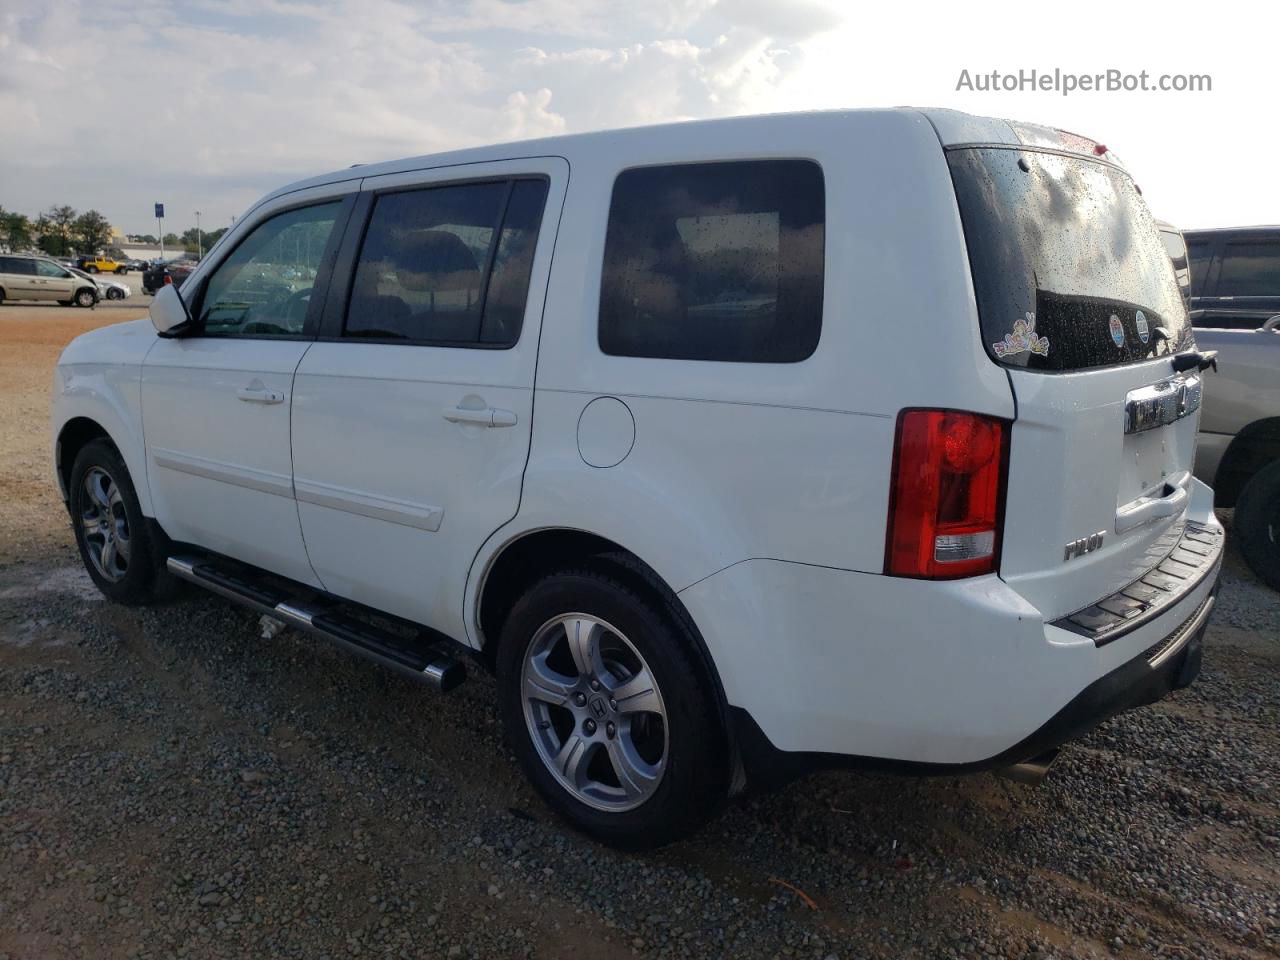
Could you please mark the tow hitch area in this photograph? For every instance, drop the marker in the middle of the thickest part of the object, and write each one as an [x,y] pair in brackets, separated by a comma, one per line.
[1030,771]
[402,646]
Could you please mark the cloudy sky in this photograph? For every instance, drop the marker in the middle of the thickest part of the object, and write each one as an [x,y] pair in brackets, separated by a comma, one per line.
[206,104]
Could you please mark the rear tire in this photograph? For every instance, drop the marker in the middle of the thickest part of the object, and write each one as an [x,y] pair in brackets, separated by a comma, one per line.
[635,771]
[116,543]
[91,269]
[1257,524]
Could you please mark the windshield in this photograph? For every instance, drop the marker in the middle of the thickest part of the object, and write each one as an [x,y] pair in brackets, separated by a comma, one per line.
[1069,268]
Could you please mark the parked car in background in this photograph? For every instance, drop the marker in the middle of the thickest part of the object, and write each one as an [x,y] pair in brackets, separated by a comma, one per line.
[162,272]
[1235,310]
[740,526]
[107,289]
[101,264]
[27,277]
[1235,275]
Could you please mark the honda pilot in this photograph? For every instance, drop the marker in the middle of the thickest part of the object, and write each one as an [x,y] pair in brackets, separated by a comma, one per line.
[733,448]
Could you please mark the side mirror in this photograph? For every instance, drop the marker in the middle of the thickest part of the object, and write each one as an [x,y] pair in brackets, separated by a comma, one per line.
[168,312]
[1270,324]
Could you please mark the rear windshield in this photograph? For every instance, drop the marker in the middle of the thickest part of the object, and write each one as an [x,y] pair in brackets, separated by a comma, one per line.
[1068,265]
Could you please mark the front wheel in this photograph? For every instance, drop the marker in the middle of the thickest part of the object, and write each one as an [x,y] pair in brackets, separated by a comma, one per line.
[115,294]
[1257,524]
[117,547]
[85,298]
[610,711]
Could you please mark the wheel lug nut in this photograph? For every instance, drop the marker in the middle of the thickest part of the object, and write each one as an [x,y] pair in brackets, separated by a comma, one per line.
[580,699]
[613,704]
[595,684]
[610,729]
[589,727]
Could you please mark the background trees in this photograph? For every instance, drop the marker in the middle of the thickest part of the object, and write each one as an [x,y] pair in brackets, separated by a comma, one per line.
[62,231]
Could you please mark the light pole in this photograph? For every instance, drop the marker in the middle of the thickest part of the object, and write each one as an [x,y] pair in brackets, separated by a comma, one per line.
[199,238]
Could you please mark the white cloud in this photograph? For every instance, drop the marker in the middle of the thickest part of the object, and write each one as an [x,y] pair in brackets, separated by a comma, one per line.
[229,98]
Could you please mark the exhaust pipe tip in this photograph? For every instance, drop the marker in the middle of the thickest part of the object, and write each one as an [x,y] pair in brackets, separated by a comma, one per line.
[1030,772]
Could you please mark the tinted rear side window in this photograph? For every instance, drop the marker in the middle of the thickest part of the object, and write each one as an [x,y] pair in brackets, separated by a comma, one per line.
[715,261]
[18,265]
[1068,265]
[447,265]
[1250,269]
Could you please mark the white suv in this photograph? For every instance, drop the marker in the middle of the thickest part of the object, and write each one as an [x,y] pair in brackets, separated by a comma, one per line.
[734,448]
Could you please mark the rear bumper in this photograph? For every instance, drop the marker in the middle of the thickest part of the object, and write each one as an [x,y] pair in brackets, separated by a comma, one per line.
[1171,664]
[825,668]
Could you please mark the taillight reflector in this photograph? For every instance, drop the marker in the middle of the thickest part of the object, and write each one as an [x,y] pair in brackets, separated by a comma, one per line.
[946,495]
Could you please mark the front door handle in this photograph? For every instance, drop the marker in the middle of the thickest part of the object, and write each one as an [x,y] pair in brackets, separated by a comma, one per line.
[482,416]
[259,394]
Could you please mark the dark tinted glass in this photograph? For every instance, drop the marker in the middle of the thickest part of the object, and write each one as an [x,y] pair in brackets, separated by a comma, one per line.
[715,261]
[263,288]
[1250,269]
[1067,262]
[509,283]
[18,265]
[1199,255]
[420,275]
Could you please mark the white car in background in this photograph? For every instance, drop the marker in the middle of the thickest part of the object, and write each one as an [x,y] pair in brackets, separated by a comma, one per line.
[107,289]
[757,445]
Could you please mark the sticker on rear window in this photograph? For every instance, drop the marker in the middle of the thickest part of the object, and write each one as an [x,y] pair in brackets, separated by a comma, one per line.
[1117,331]
[1022,339]
[1144,332]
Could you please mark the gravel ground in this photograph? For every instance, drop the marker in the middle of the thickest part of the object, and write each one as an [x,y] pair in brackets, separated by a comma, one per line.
[172,785]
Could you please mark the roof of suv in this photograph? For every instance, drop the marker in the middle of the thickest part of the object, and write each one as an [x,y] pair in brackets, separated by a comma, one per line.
[952,127]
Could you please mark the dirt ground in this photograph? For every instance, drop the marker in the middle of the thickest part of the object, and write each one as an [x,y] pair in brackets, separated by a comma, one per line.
[174,785]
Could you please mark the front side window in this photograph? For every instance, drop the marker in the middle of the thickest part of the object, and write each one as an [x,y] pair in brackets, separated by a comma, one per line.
[46,269]
[715,261]
[447,265]
[1250,269]
[263,288]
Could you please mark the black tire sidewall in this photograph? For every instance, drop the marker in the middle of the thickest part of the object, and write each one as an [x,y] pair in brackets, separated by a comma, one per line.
[695,781]
[78,299]
[139,581]
[1256,507]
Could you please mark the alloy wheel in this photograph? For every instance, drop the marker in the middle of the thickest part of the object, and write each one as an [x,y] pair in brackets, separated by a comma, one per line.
[594,712]
[105,525]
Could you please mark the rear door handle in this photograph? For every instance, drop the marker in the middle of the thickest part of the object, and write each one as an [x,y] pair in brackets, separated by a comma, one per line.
[484,416]
[260,395]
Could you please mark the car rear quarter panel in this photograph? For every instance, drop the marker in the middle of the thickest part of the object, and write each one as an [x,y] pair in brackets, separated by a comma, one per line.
[790,461]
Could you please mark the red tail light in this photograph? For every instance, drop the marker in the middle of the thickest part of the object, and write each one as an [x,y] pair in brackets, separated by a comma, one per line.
[946,505]
[168,279]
